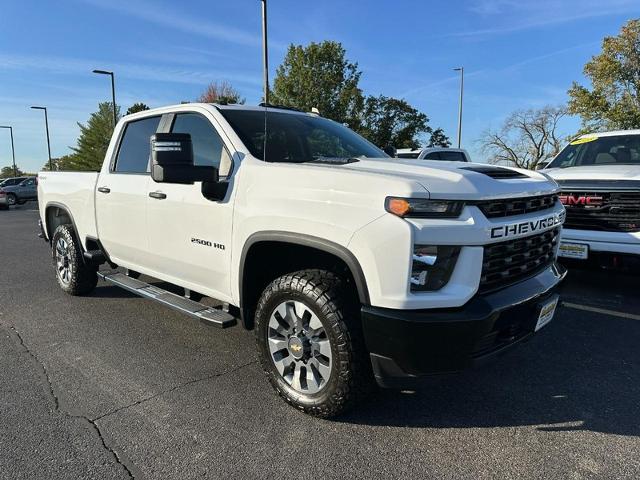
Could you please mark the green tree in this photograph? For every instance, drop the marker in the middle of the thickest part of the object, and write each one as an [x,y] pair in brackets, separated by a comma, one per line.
[613,102]
[320,76]
[439,139]
[7,172]
[137,107]
[389,121]
[93,141]
[60,163]
[221,92]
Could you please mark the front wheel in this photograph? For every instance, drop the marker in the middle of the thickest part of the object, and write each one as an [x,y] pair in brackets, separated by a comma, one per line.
[74,276]
[11,199]
[310,343]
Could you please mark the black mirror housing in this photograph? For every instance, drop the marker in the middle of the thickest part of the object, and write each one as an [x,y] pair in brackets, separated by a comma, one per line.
[172,160]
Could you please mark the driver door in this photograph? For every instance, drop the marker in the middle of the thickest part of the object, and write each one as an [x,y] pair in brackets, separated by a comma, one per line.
[190,235]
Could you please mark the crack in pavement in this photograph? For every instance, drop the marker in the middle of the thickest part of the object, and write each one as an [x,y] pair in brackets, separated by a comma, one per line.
[120,461]
[172,389]
[93,421]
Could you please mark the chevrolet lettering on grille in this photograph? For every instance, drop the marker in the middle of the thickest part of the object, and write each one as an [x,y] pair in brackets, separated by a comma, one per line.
[530,226]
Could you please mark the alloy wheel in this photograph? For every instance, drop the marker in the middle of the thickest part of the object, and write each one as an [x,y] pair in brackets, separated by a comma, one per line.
[299,346]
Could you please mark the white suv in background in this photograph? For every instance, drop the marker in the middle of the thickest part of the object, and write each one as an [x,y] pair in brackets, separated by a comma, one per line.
[435,153]
[599,175]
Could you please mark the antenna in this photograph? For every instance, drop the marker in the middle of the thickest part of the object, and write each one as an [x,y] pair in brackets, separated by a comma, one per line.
[265,60]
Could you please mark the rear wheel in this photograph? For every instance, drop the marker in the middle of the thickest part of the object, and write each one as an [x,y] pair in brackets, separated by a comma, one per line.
[310,344]
[73,275]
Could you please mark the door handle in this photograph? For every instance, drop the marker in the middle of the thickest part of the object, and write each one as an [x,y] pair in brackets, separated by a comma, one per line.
[104,189]
[158,195]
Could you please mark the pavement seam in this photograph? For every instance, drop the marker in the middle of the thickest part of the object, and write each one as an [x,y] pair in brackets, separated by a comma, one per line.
[56,402]
[173,389]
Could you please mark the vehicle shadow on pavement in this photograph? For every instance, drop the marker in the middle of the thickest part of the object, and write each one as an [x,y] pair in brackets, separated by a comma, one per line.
[581,372]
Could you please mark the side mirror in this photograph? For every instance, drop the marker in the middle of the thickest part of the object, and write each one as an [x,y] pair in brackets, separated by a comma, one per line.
[172,160]
[390,150]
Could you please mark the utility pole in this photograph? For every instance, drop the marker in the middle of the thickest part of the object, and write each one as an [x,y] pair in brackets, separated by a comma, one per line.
[265,55]
[113,92]
[461,70]
[46,124]
[13,150]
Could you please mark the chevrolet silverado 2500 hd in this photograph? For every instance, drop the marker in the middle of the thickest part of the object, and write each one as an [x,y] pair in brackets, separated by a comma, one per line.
[599,175]
[349,265]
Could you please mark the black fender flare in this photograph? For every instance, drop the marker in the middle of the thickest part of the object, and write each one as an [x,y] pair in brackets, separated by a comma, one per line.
[308,241]
[73,222]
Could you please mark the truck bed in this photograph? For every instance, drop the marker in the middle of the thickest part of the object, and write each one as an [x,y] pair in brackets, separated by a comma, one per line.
[73,190]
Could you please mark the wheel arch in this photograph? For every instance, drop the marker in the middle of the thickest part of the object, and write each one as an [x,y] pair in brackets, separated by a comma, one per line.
[56,214]
[299,251]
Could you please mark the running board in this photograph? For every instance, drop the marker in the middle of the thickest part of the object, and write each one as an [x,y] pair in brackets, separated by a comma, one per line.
[207,315]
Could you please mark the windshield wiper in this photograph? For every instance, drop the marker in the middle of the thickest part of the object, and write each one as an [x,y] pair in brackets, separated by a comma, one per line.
[333,160]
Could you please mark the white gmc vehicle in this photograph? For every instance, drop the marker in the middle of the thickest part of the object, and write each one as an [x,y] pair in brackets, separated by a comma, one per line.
[600,179]
[349,265]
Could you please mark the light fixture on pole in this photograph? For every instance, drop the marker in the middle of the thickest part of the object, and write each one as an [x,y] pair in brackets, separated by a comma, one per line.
[113,92]
[461,70]
[13,151]
[46,125]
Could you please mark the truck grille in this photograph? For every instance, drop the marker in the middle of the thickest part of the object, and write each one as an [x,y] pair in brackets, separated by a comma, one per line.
[508,262]
[516,206]
[603,211]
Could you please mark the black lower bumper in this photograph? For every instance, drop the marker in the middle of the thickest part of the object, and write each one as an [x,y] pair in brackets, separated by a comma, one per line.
[407,344]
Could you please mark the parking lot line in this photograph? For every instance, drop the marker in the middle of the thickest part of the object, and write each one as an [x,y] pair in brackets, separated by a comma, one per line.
[601,310]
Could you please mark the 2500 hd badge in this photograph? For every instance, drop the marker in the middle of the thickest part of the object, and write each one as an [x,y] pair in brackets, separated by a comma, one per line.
[523,228]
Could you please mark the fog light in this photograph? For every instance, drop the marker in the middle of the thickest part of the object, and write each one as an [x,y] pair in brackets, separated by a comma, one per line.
[432,266]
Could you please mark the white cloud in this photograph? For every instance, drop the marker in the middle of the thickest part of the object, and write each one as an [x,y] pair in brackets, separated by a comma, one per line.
[162,15]
[508,16]
[78,66]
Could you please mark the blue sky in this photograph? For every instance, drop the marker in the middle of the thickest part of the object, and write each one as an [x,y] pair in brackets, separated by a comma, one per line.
[516,54]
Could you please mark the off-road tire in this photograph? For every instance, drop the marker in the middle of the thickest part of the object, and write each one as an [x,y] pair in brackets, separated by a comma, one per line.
[337,308]
[81,278]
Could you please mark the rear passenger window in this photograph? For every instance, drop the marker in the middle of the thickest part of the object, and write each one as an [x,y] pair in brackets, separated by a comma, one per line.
[134,152]
[208,148]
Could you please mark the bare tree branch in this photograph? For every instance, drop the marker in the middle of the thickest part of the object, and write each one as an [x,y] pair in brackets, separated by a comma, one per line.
[526,138]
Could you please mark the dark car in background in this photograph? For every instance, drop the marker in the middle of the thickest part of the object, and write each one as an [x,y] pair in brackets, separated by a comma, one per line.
[17,191]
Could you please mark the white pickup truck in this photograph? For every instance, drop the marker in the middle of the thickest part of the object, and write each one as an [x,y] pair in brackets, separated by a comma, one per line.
[349,265]
[600,179]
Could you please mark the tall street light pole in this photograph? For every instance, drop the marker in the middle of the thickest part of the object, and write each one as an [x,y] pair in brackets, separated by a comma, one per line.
[461,70]
[113,92]
[46,124]
[13,150]
[265,55]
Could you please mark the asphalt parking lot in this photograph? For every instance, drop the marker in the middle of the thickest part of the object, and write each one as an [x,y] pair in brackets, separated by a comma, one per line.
[114,386]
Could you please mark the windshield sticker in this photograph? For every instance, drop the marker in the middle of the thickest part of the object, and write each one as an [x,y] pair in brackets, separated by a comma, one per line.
[578,141]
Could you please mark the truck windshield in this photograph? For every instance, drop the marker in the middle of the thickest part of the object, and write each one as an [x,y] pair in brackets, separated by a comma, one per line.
[594,150]
[296,138]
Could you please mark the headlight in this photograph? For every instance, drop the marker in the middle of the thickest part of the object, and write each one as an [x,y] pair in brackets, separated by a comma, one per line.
[423,208]
[432,266]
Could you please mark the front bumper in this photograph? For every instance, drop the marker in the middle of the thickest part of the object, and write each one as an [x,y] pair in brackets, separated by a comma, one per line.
[407,344]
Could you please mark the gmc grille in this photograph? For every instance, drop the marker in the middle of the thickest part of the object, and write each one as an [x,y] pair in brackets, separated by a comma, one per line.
[509,262]
[516,206]
[615,212]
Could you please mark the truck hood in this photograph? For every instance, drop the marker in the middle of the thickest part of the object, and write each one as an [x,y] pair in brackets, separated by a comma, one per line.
[595,172]
[459,180]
